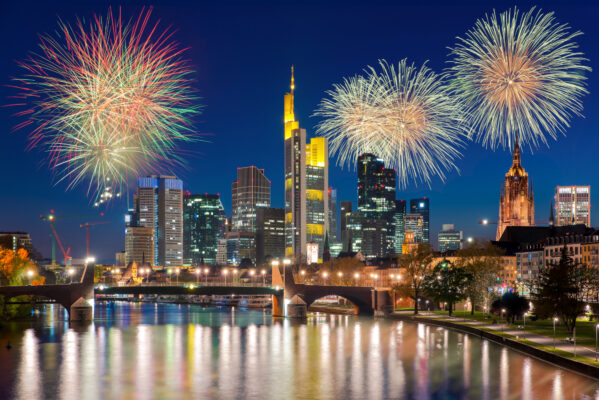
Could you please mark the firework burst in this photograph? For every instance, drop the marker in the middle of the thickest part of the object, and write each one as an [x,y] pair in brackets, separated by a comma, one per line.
[107,100]
[518,75]
[404,115]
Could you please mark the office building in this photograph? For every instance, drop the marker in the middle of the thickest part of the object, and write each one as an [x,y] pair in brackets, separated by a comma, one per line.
[306,185]
[422,208]
[15,240]
[374,237]
[235,247]
[572,205]
[204,224]
[414,223]
[250,191]
[398,226]
[334,235]
[376,187]
[139,245]
[516,202]
[346,209]
[449,239]
[159,206]
[270,234]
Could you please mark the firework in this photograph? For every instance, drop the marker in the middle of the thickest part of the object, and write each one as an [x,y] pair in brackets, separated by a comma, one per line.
[108,100]
[518,75]
[404,115]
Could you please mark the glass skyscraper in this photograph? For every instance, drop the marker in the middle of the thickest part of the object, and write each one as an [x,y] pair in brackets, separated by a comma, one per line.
[204,225]
[250,191]
[422,208]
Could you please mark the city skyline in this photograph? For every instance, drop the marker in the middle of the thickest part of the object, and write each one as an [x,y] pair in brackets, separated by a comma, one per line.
[462,200]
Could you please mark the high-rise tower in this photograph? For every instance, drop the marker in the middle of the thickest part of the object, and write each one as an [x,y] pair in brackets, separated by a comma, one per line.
[422,207]
[516,204]
[376,187]
[250,191]
[306,184]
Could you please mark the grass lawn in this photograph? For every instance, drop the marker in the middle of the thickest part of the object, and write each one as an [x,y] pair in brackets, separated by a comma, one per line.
[585,330]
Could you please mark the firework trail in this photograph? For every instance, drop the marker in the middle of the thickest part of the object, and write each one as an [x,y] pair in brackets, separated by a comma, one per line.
[518,75]
[404,115]
[107,100]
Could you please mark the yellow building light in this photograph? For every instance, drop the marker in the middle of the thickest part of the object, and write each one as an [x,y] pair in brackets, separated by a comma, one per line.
[313,194]
[288,183]
[316,152]
[314,229]
[289,218]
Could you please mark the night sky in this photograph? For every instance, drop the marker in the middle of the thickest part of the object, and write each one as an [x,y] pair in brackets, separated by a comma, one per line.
[242,54]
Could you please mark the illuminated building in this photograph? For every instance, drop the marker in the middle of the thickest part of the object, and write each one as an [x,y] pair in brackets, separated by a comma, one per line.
[333,212]
[354,231]
[399,225]
[449,239]
[204,225]
[16,240]
[409,244]
[374,237]
[346,208]
[270,234]
[516,204]
[306,184]
[422,208]
[250,191]
[573,205]
[139,244]
[376,187]
[235,247]
[414,223]
[159,205]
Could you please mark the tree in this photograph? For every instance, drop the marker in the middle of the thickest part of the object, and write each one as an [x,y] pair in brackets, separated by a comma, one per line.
[447,283]
[513,304]
[17,269]
[562,290]
[482,261]
[416,265]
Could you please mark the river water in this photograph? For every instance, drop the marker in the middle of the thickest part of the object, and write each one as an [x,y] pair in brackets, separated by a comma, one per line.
[169,351]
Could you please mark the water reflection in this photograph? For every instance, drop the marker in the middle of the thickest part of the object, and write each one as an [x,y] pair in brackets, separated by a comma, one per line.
[175,351]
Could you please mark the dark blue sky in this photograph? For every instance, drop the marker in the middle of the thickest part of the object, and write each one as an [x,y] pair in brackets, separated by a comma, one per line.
[242,52]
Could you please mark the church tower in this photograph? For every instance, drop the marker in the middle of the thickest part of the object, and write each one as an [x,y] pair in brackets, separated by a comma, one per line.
[516,204]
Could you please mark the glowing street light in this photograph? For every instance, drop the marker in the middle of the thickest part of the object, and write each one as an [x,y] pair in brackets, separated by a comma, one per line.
[554,321]
[90,260]
[225,272]
[206,271]
[71,271]
[324,276]
[197,272]
[263,273]
[177,271]
[30,275]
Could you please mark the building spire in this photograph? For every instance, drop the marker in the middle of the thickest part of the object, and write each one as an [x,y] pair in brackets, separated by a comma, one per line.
[517,157]
[292,81]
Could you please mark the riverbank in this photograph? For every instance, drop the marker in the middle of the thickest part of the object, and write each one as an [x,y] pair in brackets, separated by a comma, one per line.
[531,344]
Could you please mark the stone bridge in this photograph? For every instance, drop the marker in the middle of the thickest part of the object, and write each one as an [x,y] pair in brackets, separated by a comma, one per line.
[366,300]
[64,295]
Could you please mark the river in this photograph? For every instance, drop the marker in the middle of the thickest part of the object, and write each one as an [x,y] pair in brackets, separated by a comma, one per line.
[169,351]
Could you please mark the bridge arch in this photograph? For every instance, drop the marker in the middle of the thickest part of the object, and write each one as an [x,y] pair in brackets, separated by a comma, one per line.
[359,297]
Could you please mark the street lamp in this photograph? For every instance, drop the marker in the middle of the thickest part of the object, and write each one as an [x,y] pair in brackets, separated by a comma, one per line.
[30,275]
[554,321]
[234,275]
[324,276]
[596,327]
[177,270]
[263,273]
[505,322]
[197,272]
[169,272]
[524,316]
[340,275]
[206,270]
[71,272]
[225,272]
[356,277]
[252,273]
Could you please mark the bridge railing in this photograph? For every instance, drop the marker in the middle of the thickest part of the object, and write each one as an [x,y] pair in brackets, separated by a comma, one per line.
[200,284]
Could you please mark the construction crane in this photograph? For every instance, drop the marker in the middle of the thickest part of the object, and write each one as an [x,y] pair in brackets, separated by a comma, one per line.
[51,218]
[86,225]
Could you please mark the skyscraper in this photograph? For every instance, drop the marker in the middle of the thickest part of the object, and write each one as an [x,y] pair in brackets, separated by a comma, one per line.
[159,205]
[333,212]
[270,234]
[250,191]
[422,208]
[139,245]
[204,225]
[376,187]
[306,184]
[516,202]
[346,209]
[399,225]
[449,239]
[414,223]
[573,205]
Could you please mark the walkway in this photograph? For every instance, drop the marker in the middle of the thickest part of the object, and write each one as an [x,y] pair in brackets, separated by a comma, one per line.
[517,333]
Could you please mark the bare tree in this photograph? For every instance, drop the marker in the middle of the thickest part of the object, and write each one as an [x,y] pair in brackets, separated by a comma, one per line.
[416,266]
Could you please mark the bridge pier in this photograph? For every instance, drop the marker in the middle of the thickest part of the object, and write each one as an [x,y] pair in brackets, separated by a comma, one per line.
[278,305]
[382,303]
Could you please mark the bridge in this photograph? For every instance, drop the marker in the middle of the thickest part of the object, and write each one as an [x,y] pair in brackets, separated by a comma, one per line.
[189,290]
[65,295]
[366,300]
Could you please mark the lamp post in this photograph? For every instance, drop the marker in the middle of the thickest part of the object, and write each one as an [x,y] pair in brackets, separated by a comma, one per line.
[324,276]
[596,327]
[234,275]
[554,321]
[206,271]
[356,277]
[177,270]
[263,273]
[303,274]
[225,272]
[505,321]
[71,271]
[197,272]
[252,273]
[524,316]
[170,273]
[30,275]
[340,275]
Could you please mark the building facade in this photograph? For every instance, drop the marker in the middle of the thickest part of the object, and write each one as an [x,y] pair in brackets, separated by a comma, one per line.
[16,240]
[159,206]
[414,223]
[306,184]
[376,187]
[399,226]
[572,205]
[236,246]
[422,207]
[346,209]
[204,226]
[139,245]
[449,238]
[516,202]
[334,235]
[250,191]
[270,234]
